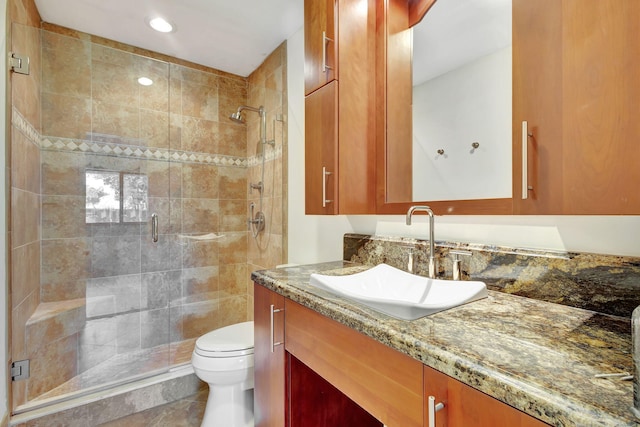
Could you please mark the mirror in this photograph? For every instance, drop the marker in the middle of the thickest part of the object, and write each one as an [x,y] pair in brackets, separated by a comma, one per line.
[462,101]
[459,109]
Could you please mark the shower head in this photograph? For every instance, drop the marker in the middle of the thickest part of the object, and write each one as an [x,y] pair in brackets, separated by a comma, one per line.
[237,116]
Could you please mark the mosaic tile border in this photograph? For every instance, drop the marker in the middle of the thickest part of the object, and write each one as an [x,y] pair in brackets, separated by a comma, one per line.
[52,143]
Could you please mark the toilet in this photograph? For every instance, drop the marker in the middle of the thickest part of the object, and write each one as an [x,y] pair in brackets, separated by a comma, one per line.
[223,358]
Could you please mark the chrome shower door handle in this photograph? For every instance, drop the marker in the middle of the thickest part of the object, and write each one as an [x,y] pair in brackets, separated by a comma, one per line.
[325,174]
[325,40]
[154,228]
[432,408]
[274,310]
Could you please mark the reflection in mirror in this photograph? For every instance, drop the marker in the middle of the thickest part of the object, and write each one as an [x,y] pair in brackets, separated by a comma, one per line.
[462,101]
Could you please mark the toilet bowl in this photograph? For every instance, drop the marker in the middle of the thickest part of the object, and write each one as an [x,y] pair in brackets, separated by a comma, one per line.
[223,358]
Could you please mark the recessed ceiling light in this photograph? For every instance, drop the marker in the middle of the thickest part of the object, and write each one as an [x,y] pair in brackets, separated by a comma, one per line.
[161,25]
[145,81]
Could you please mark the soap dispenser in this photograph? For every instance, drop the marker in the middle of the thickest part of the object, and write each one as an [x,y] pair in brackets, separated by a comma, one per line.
[635,350]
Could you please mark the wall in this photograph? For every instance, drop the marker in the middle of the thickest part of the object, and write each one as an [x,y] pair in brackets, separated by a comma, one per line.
[267,88]
[315,239]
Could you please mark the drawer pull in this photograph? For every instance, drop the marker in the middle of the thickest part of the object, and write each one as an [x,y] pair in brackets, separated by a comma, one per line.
[433,408]
[274,310]
[325,174]
[325,40]
[525,161]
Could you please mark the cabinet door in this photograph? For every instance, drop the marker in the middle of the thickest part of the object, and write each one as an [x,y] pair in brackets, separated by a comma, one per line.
[537,99]
[321,149]
[465,406]
[575,68]
[269,360]
[320,39]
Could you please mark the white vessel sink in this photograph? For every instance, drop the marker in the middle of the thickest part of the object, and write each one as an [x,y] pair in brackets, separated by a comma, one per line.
[401,294]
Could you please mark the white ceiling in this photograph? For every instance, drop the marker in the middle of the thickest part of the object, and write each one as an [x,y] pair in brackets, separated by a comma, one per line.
[457,32]
[237,35]
[229,35]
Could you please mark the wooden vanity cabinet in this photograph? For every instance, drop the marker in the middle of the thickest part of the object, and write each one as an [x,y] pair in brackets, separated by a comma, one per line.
[340,126]
[385,383]
[575,83]
[465,406]
[321,373]
[269,359]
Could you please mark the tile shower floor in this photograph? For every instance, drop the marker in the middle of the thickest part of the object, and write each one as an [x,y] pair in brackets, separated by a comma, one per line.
[125,366]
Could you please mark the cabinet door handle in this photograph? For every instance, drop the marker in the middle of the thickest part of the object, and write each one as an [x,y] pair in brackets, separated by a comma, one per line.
[432,409]
[274,310]
[325,174]
[325,40]
[525,160]
[154,227]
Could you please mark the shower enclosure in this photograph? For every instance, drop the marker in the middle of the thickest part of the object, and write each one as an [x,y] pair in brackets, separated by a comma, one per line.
[120,295]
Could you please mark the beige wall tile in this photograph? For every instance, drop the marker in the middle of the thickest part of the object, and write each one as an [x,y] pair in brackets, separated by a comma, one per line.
[231,139]
[198,135]
[233,278]
[119,120]
[154,129]
[66,65]
[199,181]
[233,310]
[25,89]
[63,173]
[233,248]
[25,162]
[64,217]
[199,100]
[25,215]
[65,116]
[199,318]
[200,216]
[25,275]
[200,283]
[233,215]
[66,264]
[201,254]
[233,183]
[61,354]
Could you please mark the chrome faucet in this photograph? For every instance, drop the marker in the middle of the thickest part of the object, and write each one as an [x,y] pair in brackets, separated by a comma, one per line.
[432,246]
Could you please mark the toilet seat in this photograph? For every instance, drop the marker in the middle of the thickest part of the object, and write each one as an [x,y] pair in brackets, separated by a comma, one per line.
[230,341]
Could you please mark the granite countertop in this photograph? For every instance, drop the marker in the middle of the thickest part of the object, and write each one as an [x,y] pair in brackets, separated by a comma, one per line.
[536,356]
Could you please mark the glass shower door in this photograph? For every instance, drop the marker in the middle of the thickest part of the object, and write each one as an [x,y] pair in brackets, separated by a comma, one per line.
[102,312]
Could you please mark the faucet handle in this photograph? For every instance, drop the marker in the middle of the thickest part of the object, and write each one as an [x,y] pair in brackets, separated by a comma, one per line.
[457,272]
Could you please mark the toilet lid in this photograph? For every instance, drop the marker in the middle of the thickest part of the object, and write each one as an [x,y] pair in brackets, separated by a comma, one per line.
[228,341]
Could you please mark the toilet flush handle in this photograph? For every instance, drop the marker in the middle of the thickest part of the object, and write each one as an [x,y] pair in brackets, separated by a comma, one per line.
[273,343]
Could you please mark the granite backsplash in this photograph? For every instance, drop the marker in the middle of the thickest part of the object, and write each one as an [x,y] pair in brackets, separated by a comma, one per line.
[603,283]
